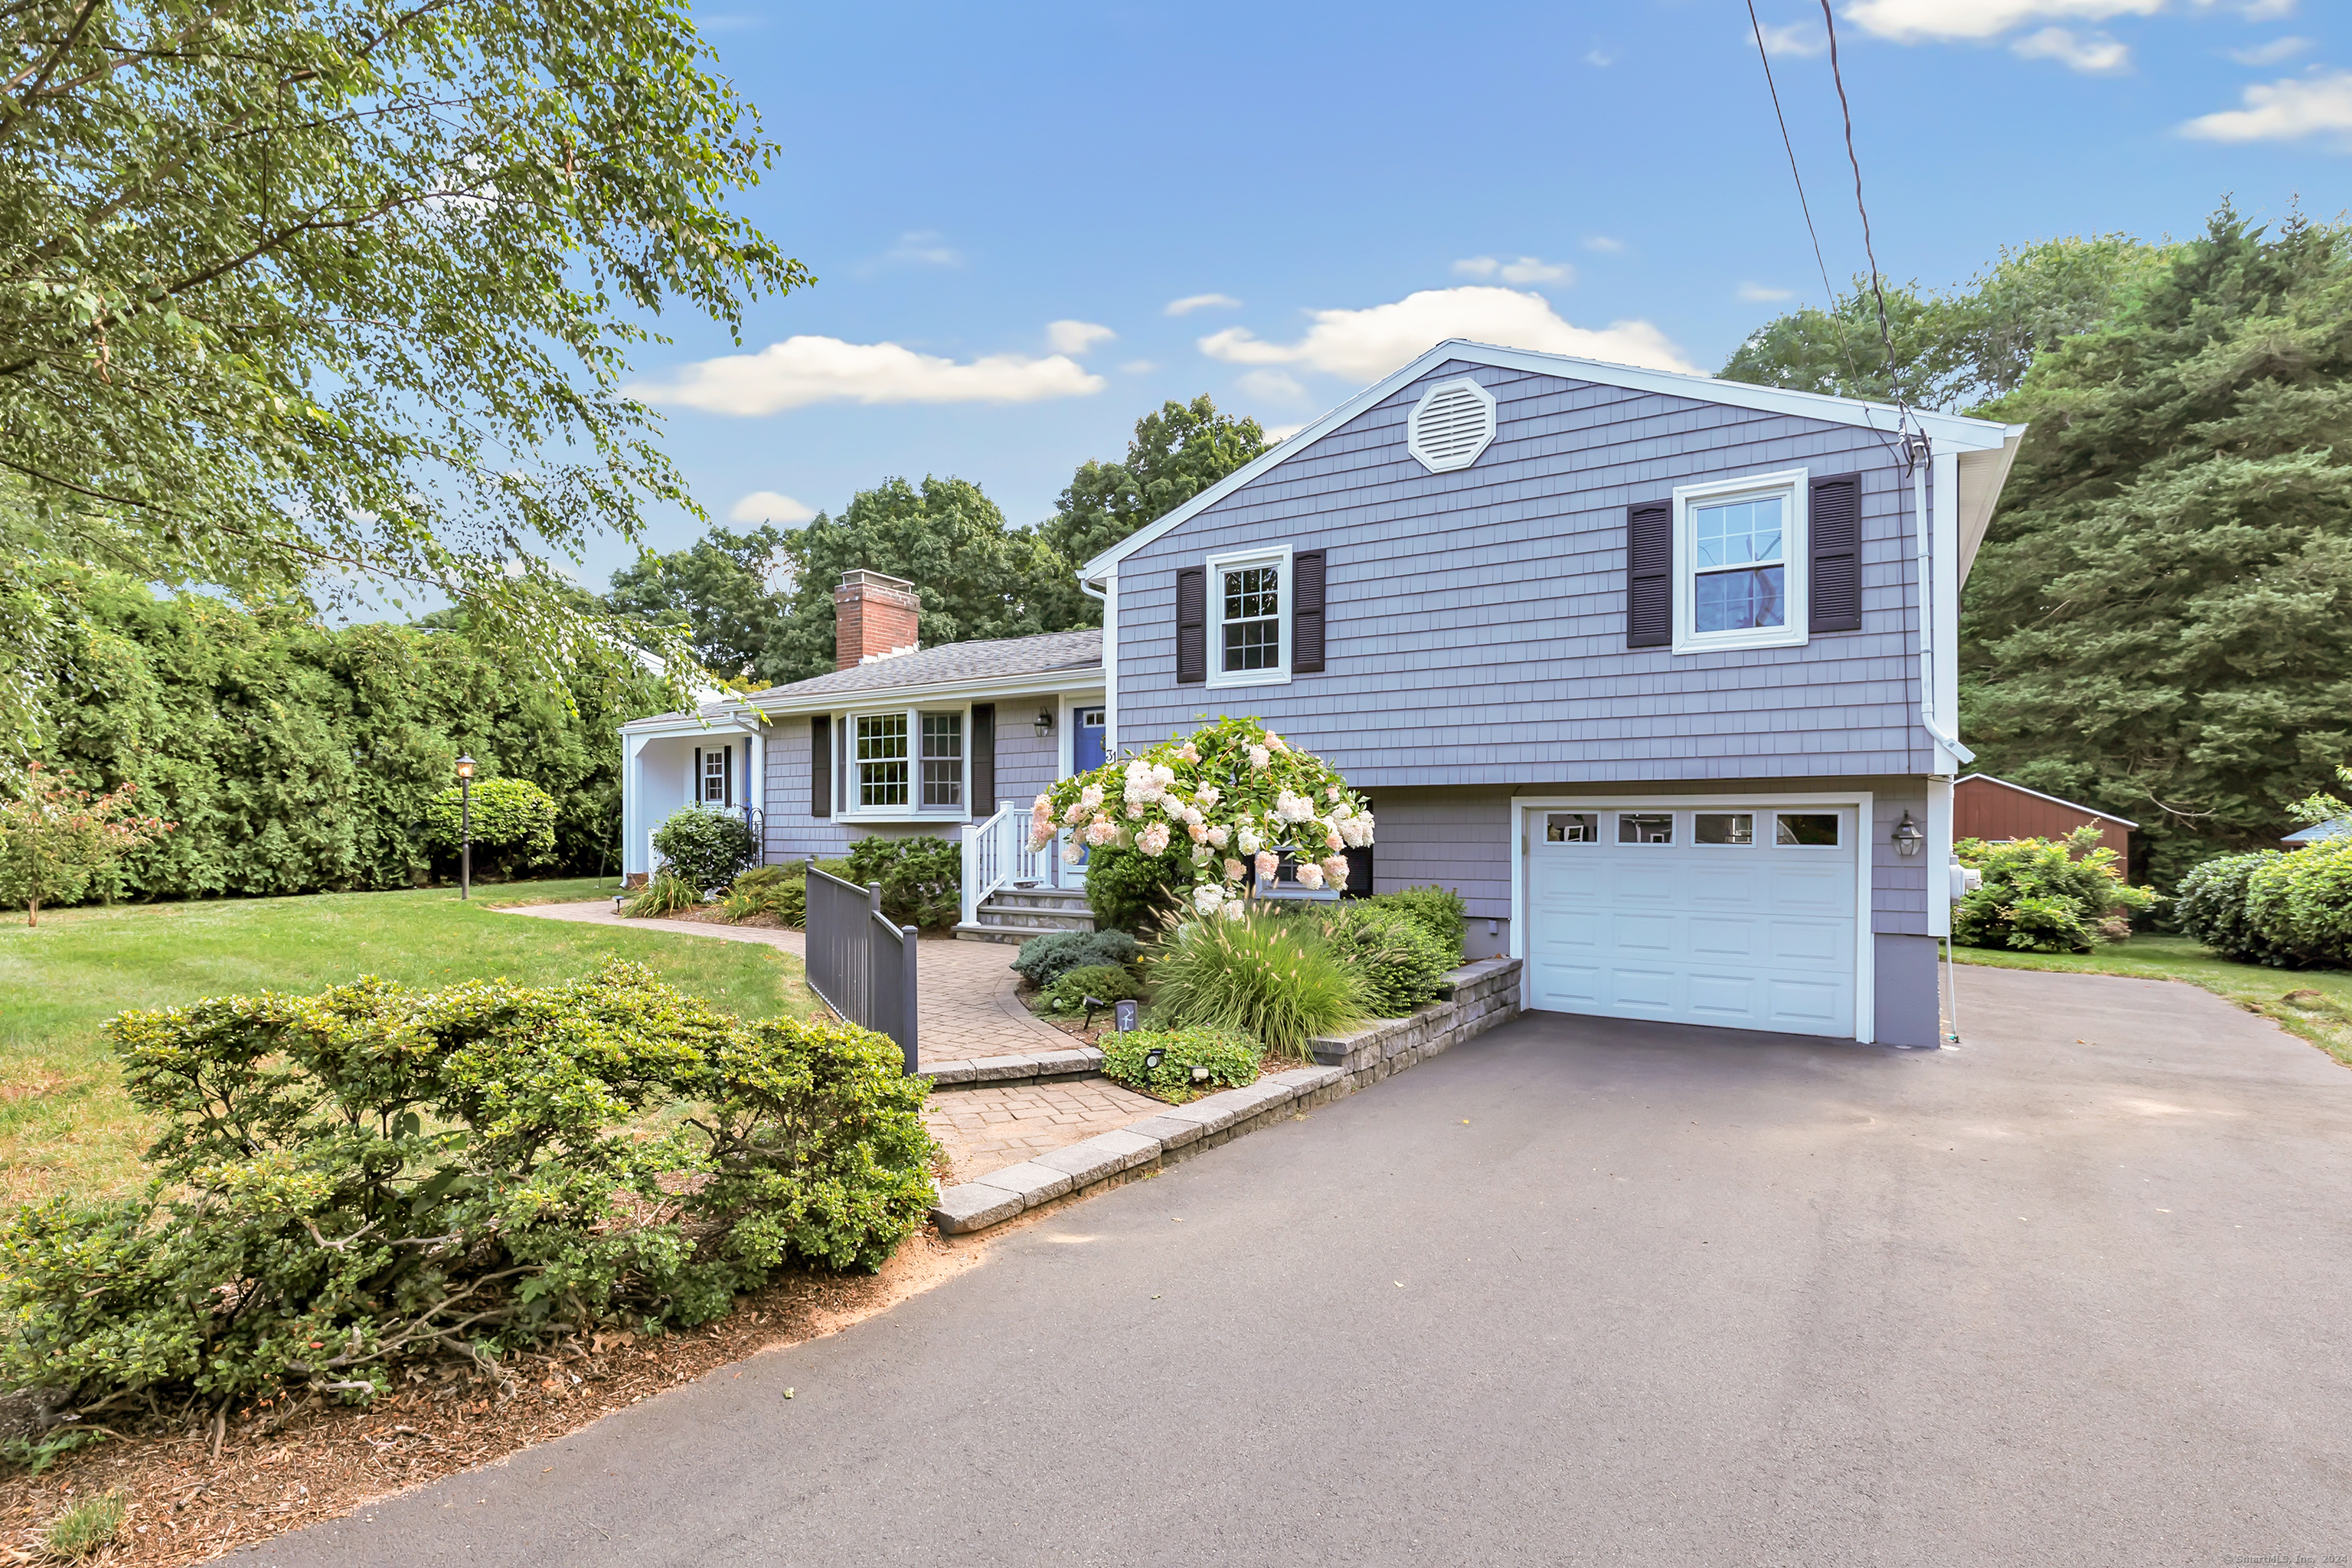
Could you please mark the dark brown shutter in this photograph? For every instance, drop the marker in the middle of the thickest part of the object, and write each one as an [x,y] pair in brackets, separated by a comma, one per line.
[1650,575]
[1306,612]
[1833,532]
[820,766]
[1192,624]
[694,785]
[727,761]
[982,741]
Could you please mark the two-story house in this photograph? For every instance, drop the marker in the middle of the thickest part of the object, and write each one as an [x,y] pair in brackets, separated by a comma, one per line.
[1656,669]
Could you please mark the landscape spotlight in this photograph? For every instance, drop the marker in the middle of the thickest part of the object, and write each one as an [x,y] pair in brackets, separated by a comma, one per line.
[1200,1073]
[1151,1057]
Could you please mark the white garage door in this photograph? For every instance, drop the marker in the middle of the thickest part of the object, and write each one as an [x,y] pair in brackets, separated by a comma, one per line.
[1736,915]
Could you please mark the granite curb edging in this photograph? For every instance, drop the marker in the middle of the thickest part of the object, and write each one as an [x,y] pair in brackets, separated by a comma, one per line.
[1485,994]
[1075,1061]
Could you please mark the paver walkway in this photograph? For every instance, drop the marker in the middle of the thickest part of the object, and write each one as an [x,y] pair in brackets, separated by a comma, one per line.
[965,992]
[964,989]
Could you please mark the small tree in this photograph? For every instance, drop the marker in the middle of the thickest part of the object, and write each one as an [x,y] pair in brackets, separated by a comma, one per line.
[1219,810]
[56,840]
[513,819]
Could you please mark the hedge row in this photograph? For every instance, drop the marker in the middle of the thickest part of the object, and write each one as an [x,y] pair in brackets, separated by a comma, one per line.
[2288,908]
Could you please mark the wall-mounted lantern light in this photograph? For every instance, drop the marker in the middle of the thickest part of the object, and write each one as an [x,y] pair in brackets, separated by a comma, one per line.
[1045,725]
[1907,836]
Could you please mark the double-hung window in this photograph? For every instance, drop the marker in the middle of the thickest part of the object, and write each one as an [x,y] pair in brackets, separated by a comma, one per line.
[1739,563]
[714,775]
[906,763]
[1249,618]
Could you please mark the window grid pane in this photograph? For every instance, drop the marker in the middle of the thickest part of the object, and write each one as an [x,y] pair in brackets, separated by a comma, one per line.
[882,760]
[942,759]
[1645,827]
[1739,600]
[1743,533]
[1723,827]
[1253,618]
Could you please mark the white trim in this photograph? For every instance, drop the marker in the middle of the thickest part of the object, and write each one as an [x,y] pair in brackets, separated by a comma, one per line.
[1954,430]
[1938,853]
[2054,800]
[1448,463]
[1110,666]
[1214,630]
[1944,668]
[979,688]
[913,811]
[1794,629]
[1866,946]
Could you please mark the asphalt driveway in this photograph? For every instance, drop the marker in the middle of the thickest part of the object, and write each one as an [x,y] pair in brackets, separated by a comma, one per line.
[1580,1292]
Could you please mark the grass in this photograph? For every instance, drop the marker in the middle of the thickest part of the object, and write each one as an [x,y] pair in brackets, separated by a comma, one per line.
[86,1526]
[2315,1003]
[66,1125]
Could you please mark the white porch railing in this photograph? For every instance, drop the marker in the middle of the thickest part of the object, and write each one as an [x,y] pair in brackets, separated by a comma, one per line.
[996,856]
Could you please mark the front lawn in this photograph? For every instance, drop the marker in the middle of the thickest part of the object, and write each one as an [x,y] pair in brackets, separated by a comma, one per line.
[65,1124]
[2320,1008]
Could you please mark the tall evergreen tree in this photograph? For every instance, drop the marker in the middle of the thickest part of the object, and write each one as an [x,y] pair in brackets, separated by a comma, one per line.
[2160,620]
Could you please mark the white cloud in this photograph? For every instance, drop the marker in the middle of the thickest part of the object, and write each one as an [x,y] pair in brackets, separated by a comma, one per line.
[1138,367]
[923,248]
[1192,303]
[2272,53]
[1363,345]
[1603,244]
[1522,270]
[1272,386]
[2093,54]
[1919,21]
[1802,39]
[2283,111]
[1601,57]
[769,506]
[1278,434]
[1075,337]
[2264,10]
[1757,294]
[805,370]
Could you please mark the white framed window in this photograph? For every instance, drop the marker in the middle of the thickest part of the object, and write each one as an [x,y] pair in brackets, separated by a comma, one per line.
[714,782]
[905,762]
[1249,618]
[1740,563]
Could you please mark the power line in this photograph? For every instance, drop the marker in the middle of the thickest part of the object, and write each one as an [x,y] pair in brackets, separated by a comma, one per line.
[1828,295]
[1885,332]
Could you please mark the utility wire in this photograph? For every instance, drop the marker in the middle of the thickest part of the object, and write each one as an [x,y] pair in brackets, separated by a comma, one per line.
[1911,439]
[1828,295]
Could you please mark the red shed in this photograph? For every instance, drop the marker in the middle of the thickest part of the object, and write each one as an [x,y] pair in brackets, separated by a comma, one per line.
[1987,807]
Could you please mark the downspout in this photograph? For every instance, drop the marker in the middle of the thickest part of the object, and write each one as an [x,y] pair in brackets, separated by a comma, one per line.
[1944,737]
[1111,662]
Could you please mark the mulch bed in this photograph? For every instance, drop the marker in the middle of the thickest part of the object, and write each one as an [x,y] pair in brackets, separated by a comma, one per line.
[295,1464]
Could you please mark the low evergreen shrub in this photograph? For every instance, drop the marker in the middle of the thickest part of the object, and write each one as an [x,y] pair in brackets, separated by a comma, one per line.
[921,877]
[778,890]
[1103,982]
[2045,895]
[1440,911]
[1265,975]
[663,894]
[1230,1058]
[2287,908]
[1045,959]
[706,849]
[1396,956]
[350,1181]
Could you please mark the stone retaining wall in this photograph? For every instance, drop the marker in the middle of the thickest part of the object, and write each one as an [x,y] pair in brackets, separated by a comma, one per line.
[1484,995]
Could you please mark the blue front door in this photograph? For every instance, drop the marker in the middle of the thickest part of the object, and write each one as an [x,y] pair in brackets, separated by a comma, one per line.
[1087,741]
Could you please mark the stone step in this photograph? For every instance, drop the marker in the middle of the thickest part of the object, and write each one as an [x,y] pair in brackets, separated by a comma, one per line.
[1074,901]
[1037,920]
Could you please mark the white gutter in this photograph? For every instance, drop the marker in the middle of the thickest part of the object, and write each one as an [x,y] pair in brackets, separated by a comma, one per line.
[1945,738]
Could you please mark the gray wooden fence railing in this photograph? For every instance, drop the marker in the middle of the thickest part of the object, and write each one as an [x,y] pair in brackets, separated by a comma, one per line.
[861,965]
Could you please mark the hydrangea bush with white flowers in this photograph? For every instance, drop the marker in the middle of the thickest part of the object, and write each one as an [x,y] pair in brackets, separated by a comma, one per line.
[1218,807]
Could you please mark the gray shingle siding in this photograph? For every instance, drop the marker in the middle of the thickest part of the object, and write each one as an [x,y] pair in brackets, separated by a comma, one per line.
[1475,622]
[792,832]
[1025,765]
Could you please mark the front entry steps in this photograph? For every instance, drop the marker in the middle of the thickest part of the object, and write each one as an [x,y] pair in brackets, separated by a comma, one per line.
[1015,914]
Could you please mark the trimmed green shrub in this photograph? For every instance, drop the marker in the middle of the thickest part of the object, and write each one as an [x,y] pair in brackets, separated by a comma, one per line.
[512,822]
[1441,911]
[707,849]
[2286,909]
[1230,1058]
[1045,959]
[663,894]
[1399,959]
[778,890]
[921,877]
[2045,895]
[1128,890]
[1263,975]
[350,1180]
[1103,982]
[86,1526]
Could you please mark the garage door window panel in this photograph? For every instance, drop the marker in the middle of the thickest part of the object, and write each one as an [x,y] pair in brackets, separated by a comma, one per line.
[1645,827]
[1808,830]
[1731,829]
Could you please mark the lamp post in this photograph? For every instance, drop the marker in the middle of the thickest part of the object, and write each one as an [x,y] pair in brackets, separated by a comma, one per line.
[465,827]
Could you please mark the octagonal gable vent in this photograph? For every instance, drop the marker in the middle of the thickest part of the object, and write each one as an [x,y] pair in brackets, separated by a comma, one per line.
[1450,426]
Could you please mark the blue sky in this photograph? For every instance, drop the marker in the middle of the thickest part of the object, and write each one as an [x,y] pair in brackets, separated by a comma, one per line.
[1276,205]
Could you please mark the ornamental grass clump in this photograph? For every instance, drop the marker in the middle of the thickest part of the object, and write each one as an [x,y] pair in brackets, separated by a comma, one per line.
[1191,1061]
[93,1522]
[369,1176]
[663,894]
[1264,975]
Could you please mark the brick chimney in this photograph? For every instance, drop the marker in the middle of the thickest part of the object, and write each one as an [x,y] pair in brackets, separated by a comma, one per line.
[873,616]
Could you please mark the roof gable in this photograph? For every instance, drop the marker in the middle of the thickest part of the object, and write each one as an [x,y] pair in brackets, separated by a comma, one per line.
[1950,431]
